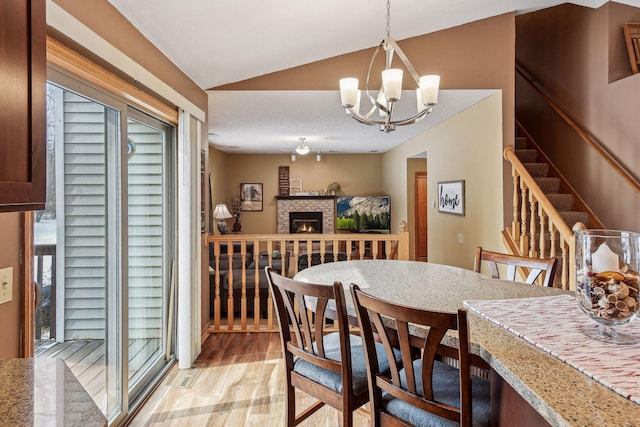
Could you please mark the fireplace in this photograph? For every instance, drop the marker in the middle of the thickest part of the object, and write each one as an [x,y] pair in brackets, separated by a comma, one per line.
[296,205]
[305,222]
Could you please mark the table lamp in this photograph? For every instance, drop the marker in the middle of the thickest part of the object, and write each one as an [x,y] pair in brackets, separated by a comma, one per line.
[221,212]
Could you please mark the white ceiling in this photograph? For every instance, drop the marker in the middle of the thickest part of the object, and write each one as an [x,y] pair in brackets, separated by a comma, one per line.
[216,42]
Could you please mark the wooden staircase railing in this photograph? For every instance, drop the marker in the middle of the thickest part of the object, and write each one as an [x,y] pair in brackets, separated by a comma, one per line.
[239,297]
[538,230]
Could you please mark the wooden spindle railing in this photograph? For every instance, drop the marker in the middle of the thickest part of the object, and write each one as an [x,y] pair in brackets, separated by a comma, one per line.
[536,209]
[239,293]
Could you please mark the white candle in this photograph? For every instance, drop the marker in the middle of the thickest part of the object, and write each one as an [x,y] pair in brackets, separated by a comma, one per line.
[604,259]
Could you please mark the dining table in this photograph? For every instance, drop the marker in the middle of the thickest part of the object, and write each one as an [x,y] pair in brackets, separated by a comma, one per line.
[530,384]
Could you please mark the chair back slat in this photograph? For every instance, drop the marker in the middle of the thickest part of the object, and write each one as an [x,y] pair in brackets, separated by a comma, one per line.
[534,267]
[372,311]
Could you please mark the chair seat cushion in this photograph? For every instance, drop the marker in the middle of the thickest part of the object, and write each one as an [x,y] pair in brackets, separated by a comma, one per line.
[333,380]
[446,389]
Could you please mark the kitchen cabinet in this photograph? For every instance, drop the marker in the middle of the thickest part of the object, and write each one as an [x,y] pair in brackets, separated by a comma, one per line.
[23,71]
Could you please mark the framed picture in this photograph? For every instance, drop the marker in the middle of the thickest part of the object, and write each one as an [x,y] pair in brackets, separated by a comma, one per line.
[251,197]
[451,197]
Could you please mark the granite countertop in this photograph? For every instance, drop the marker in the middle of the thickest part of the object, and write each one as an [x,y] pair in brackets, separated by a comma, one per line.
[560,393]
[44,392]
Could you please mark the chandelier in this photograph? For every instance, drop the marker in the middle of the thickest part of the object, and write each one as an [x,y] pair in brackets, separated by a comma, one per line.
[390,90]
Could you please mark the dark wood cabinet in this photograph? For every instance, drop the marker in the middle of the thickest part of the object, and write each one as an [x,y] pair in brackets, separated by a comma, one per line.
[23,75]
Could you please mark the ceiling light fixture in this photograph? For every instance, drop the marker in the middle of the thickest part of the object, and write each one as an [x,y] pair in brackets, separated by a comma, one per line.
[293,157]
[302,149]
[390,90]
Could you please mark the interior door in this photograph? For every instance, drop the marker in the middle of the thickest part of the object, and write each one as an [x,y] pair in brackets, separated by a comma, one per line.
[421,216]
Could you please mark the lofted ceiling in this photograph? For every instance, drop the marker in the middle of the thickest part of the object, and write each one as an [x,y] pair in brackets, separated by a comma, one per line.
[216,42]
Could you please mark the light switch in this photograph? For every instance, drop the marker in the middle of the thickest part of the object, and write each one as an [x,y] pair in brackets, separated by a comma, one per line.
[432,204]
[460,238]
[6,284]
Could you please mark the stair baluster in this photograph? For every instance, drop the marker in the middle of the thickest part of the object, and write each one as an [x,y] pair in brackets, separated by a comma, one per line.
[524,238]
[515,226]
[533,204]
[543,222]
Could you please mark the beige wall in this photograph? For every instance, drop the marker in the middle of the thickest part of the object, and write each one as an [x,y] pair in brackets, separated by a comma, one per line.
[468,146]
[357,174]
[11,312]
[573,67]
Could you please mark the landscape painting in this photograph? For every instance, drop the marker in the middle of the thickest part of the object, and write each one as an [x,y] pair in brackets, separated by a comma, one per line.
[364,214]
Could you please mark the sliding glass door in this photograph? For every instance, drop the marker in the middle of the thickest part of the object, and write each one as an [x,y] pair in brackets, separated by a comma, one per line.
[149,261]
[105,244]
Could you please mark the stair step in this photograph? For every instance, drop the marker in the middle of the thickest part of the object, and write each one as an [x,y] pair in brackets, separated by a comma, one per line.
[562,202]
[548,185]
[520,142]
[527,155]
[571,217]
[537,169]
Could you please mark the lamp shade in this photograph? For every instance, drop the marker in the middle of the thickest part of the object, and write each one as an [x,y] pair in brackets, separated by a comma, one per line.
[221,211]
[348,91]
[302,150]
[429,86]
[392,84]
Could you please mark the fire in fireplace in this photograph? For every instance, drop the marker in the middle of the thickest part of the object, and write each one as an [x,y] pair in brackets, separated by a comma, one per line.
[305,222]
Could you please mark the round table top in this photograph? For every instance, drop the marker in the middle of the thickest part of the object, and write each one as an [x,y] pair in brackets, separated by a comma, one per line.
[419,284]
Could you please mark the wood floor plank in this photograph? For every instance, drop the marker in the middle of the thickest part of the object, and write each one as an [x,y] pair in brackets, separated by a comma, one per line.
[237,381]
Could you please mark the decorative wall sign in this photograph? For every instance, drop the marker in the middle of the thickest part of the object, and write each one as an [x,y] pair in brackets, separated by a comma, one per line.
[283,180]
[451,197]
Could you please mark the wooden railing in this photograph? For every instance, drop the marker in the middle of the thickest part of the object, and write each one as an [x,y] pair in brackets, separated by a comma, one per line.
[239,293]
[537,229]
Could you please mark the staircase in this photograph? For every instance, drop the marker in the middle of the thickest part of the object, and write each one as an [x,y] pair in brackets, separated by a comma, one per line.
[562,202]
[545,209]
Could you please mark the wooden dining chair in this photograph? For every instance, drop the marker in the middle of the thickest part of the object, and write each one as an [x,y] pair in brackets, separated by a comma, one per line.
[424,391]
[327,365]
[535,266]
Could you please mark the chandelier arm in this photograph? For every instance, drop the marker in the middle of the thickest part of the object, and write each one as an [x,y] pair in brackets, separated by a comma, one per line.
[366,82]
[405,60]
[363,119]
[370,112]
[415,118]
[372,122]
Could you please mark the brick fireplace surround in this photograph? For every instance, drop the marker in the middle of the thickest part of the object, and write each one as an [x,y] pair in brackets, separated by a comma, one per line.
[324,204]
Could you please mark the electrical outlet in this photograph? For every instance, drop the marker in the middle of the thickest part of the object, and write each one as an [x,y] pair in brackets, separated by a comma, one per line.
[6,284]
[460,238]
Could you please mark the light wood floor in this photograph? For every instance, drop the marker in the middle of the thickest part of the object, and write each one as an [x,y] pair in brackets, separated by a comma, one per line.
[238,380]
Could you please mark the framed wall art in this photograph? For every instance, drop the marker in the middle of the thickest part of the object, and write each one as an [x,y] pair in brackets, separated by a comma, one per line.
[251,197]
[451,197]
